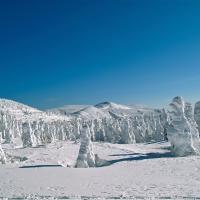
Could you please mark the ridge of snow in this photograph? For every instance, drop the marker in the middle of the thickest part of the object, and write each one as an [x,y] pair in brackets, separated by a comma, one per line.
[111,105]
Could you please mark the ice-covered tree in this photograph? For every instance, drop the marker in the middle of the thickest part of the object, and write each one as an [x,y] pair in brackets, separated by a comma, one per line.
[86,157]
[2,156]
[182,130]
[197,114]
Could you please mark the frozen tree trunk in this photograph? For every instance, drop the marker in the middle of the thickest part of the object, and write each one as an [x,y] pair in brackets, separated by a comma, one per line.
[182,130]
[86,157]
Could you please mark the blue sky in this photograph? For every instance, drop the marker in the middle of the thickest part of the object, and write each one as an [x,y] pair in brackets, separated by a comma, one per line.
[54,53]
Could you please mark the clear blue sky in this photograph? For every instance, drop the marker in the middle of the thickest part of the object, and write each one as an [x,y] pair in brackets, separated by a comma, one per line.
[87,51]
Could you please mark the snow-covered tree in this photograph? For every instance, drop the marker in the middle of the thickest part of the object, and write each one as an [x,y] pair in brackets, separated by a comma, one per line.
[28,137]
[86,157]
[197,114]
[182,131]
[2,155]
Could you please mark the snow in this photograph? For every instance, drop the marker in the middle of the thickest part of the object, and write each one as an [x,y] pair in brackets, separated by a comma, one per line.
[142,171]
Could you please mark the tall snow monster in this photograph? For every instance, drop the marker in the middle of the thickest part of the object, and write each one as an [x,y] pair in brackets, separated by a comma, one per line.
[182,129]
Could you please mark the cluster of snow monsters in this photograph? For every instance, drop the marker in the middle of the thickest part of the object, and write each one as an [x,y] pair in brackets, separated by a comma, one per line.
[33,131]
[24,126]
[182,130]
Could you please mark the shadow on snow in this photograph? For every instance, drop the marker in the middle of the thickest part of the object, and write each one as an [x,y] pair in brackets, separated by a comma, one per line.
[40,166]
[139,157]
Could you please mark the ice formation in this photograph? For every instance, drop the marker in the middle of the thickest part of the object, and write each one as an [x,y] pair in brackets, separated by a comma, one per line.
[86,157]
[182,131]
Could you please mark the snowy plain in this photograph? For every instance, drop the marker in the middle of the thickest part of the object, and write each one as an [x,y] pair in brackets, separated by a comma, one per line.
[136,171]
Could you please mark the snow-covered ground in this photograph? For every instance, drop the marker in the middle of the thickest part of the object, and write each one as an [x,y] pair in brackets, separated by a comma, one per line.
[140,171]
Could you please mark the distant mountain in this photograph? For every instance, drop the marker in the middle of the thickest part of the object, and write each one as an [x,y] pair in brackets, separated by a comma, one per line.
[17,108]
[67,109]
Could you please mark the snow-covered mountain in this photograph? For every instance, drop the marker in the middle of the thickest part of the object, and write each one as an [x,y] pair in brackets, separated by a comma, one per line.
[67,109]
[107,121]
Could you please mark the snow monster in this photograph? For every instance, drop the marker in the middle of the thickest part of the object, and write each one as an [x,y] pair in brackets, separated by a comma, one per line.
[2,156]
[86,157]
[182,130]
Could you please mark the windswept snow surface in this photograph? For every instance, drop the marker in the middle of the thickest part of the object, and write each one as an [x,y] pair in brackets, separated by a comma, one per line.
[136,171]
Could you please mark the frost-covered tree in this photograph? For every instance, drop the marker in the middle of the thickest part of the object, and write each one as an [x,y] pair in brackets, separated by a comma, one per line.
[2,154]
[86,157]
[197,114]
[182,131]
[28,137]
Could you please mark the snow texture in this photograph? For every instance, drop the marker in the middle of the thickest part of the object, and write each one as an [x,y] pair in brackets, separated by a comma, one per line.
[136,171]
[182,130]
